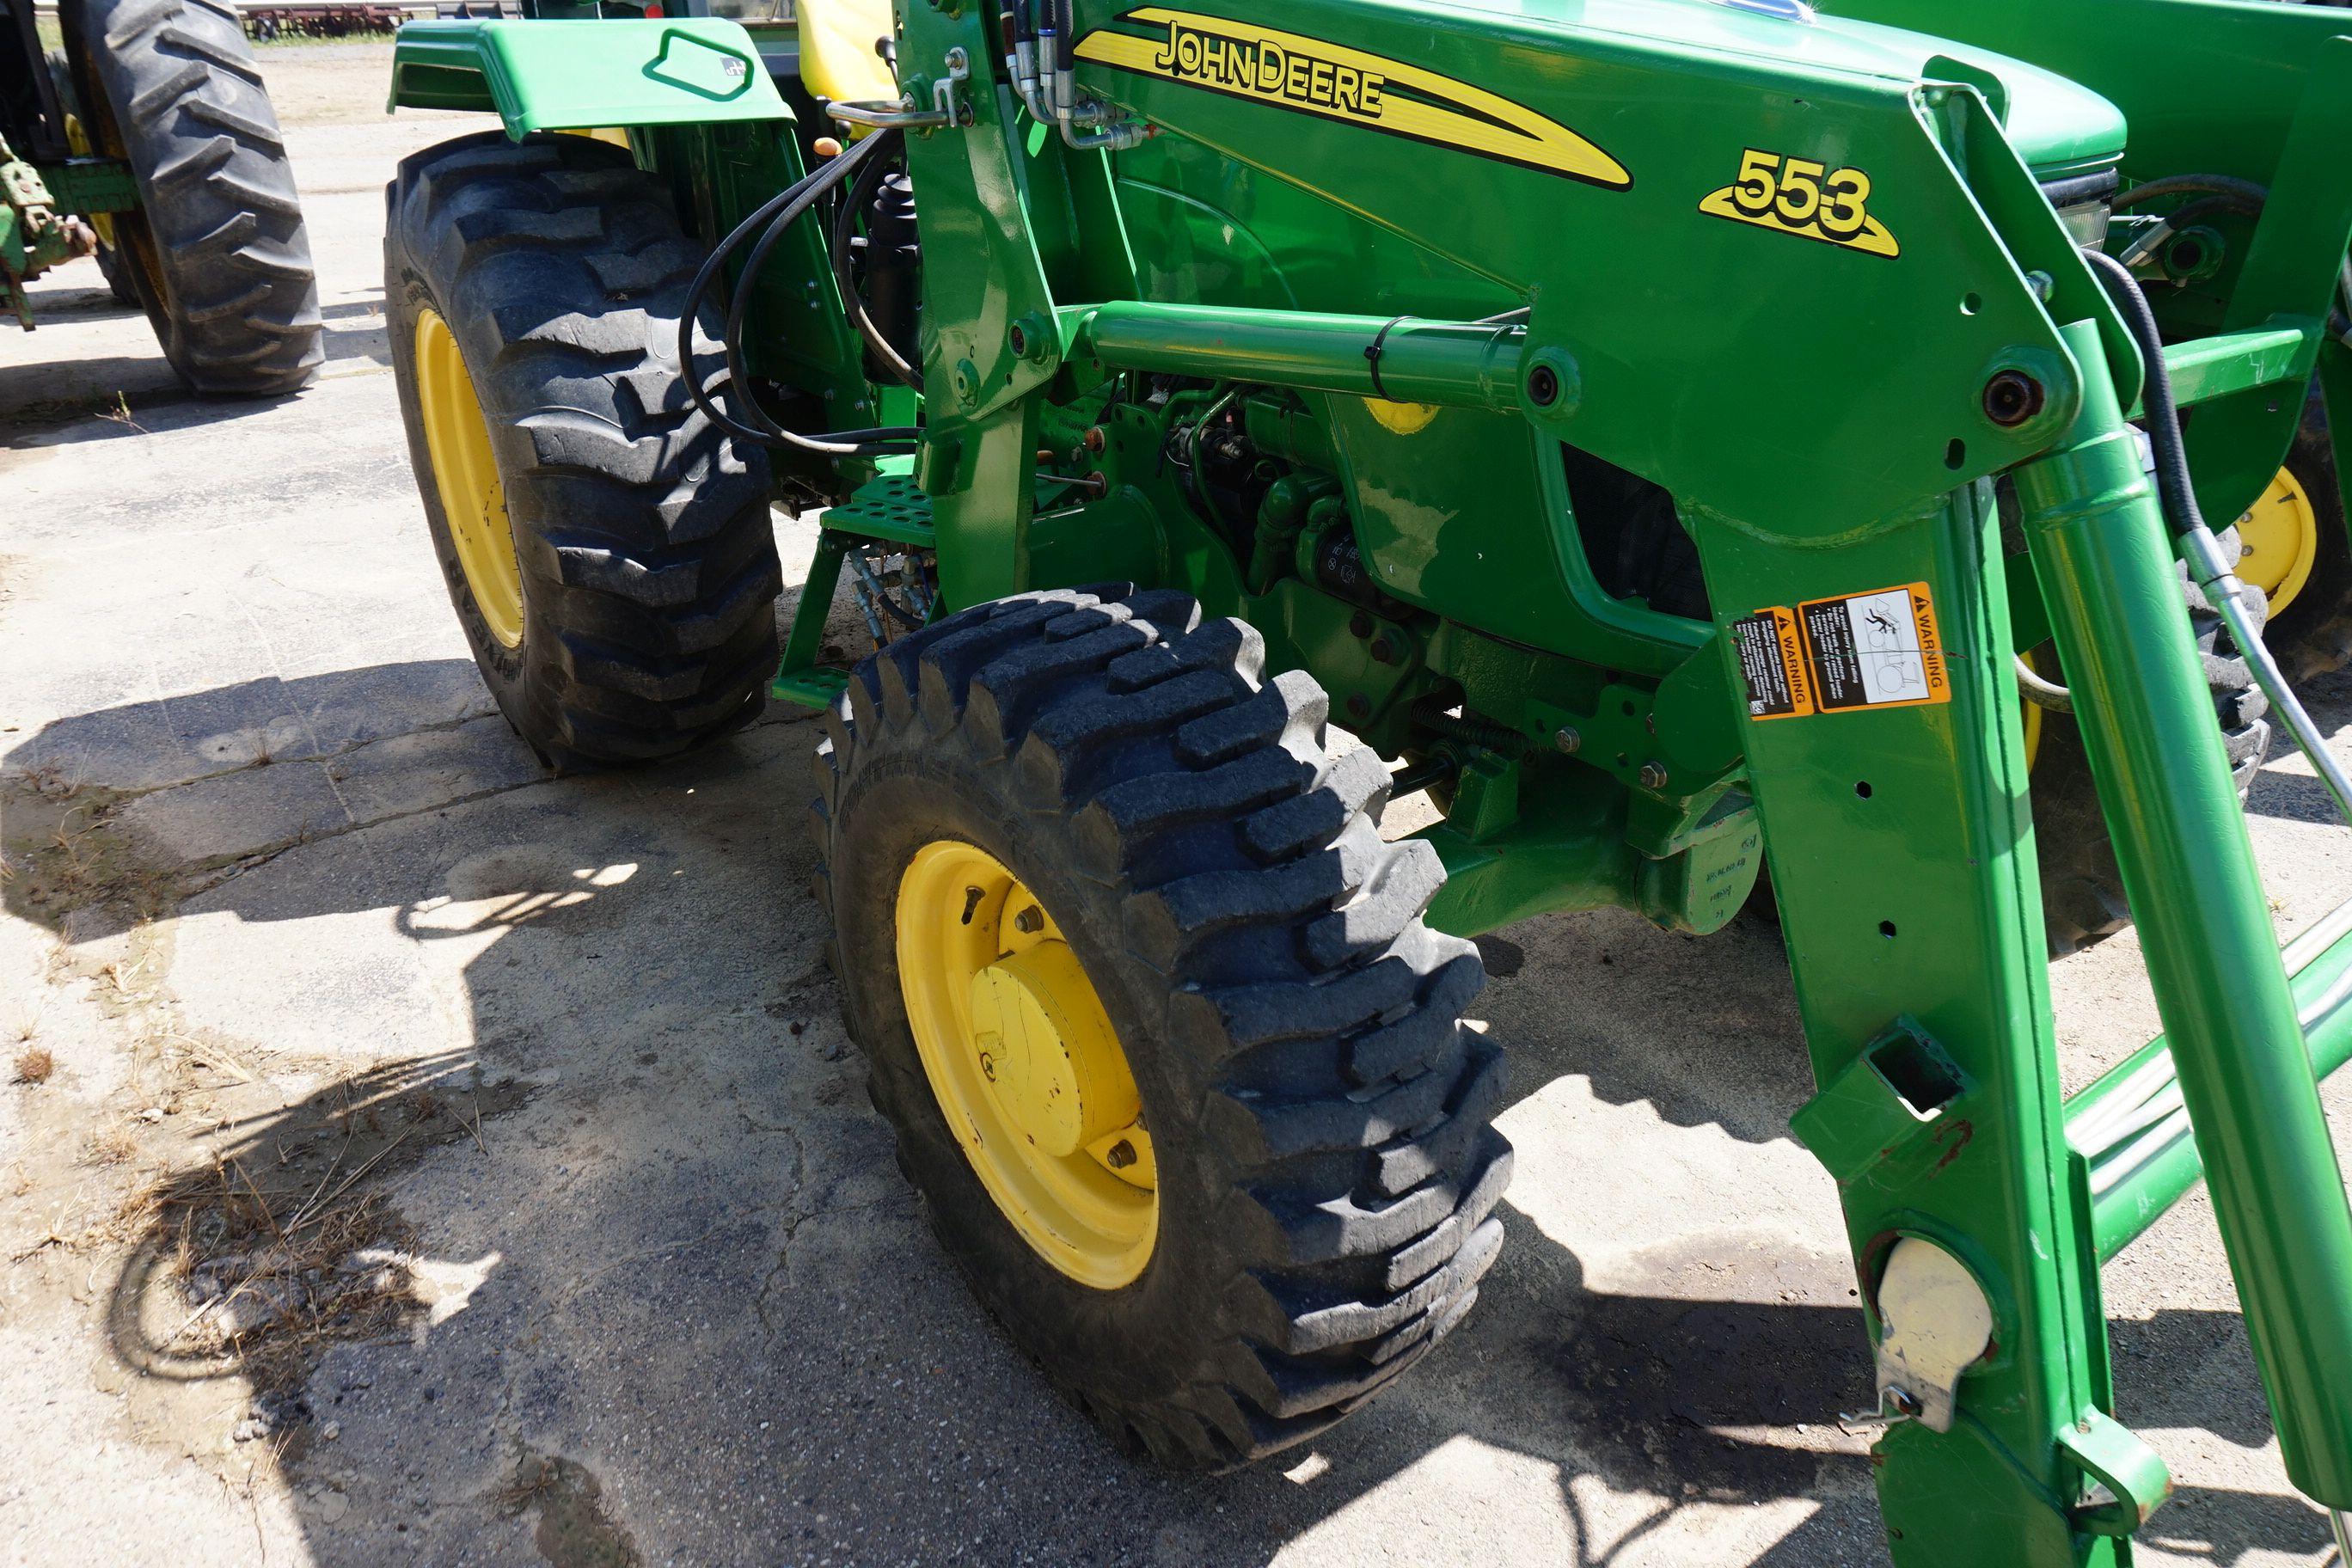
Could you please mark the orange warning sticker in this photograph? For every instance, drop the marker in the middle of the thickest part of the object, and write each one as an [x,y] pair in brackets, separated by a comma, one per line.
[1878,650]
[1772,662]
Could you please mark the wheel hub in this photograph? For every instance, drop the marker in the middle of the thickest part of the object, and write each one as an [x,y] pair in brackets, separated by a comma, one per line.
[1047,1050]
[2280,538]
[1028,1071]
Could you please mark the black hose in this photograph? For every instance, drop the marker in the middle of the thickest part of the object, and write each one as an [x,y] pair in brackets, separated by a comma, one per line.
[778,213]
[2245,192]
[2163,414]
[843,443]
[844,225]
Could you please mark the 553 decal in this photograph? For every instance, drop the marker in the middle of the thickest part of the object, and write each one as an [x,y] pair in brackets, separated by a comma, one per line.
[1803,197]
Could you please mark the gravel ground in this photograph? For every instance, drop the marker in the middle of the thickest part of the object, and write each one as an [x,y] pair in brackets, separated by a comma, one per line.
[439,1163]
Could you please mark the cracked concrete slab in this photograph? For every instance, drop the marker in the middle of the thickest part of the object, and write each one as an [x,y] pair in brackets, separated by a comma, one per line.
[607,1260]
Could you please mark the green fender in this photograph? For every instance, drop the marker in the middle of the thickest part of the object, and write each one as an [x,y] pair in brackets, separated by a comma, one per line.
[588,74]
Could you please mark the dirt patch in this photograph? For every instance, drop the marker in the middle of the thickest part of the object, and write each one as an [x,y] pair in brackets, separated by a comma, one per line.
[281,1243]
[567,1500]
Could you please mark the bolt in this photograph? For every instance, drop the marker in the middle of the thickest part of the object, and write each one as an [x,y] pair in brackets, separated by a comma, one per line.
[988,1066]
[1543,386]
[1387,649]
[971,896]
[1905,1402]
[1360,625]
[1359,707]
[1569,741]
[1030,921]
[1654,775]
[1018,339]
[1121,1156]
[1095,440]
[2012,398]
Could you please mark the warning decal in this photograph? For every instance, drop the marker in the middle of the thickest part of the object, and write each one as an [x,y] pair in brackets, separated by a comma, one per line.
[1773,664]
[1879,649]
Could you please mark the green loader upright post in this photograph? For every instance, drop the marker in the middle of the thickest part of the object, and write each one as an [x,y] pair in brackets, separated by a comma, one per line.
[2229,1018]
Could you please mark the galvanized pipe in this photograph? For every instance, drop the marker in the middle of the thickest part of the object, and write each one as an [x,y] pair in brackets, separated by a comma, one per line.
[2108,579]
[1455,365]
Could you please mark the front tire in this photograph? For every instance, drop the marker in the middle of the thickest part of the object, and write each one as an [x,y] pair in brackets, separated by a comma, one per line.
[608,550]
[1317,1114]
[216,253]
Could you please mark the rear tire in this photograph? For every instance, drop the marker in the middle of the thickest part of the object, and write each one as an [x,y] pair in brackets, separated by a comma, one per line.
[1326,1171]
[646,555]
[217,253]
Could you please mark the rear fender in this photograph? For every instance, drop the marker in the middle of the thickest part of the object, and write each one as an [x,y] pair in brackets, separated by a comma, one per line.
[578,76]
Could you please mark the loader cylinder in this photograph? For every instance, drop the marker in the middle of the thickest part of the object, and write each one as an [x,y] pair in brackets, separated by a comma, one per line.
[2099,552]
[1455,365]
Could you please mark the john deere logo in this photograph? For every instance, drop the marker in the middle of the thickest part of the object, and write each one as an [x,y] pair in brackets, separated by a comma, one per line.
[1308,76]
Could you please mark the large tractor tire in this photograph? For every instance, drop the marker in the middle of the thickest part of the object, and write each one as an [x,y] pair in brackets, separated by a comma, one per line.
[608,549]
[2296,553]
[216,253]
[1180,1072]
[2082,886]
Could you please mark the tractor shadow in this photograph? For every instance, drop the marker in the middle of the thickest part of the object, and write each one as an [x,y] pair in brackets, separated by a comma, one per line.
[66,393]
[544,1217]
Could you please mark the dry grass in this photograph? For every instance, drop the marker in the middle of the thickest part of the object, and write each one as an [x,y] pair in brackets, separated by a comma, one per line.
[110,1146]
[34,1065]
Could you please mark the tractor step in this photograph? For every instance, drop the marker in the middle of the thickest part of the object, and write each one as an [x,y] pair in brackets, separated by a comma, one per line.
[891,507]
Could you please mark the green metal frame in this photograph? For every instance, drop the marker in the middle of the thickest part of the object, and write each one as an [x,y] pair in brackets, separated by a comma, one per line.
[586,75]
[1822,416]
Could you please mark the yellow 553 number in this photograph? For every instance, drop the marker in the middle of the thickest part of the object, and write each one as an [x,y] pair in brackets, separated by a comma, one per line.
[1803,197]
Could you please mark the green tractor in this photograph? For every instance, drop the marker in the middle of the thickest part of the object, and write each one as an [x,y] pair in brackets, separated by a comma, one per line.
[1675,436]
[148,141]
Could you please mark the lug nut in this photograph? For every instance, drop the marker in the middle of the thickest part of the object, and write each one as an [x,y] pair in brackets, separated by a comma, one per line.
[1120,1154]
[2012,398]
[1030,921]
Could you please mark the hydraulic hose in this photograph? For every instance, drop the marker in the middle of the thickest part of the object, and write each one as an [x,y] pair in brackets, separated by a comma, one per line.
[778,213]
[2199,548]
[845,223]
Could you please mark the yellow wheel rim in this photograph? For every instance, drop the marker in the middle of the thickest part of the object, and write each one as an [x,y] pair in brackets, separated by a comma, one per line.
[78,143]
[2033,709]
[2280,535]
[1028,1073]
[457,439]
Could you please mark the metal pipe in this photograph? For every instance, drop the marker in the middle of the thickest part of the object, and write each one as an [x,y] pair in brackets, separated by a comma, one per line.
[2132,1130]
[1455,365]
[2146,717]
